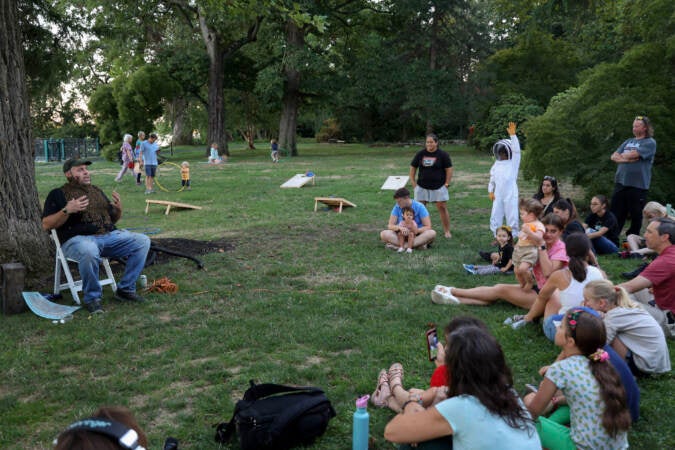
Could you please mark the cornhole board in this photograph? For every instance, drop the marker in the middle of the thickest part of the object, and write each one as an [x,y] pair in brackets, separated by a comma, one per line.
[333,201]
[169,205]
[298,181]
[395,182]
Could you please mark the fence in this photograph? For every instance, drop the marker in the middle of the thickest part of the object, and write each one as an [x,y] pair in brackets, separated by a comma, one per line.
[47,149]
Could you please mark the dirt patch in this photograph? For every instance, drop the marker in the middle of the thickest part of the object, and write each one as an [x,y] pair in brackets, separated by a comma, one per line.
[189,247]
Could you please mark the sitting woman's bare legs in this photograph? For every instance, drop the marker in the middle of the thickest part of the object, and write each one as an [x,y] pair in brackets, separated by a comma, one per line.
[486,295]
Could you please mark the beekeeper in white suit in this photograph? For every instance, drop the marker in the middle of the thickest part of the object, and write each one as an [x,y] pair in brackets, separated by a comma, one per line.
[503,187]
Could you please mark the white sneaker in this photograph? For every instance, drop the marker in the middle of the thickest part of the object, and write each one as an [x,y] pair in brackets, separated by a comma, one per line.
[400,250]
[513,319]
[441,296]
[409,250]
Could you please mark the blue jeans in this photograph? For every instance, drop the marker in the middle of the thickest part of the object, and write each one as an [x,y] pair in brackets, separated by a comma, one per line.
[88,250]
[604,246]
[549,327]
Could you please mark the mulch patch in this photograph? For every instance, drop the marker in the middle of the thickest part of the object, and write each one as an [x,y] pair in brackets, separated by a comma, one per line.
[190,247]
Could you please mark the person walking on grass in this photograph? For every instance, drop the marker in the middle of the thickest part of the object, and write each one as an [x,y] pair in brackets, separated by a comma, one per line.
[138,157]
[149,150]
[127,157]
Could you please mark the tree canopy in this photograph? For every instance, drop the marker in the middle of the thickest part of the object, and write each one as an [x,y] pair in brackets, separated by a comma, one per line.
[378,71]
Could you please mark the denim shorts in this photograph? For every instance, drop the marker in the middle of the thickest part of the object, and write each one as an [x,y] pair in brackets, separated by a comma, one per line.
[549,327]
[150,171]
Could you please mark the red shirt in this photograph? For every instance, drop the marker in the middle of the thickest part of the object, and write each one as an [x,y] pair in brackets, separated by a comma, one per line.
[439,377]
[661,272]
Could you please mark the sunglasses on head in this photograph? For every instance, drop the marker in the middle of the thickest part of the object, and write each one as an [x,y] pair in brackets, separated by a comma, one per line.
[549,178]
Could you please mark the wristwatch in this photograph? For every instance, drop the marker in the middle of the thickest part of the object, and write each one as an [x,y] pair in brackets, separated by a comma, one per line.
[543,247]
[65,211]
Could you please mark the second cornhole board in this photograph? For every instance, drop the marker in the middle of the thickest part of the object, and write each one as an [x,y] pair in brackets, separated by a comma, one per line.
[298,181]
[333,201]
[395,182]
[169,205]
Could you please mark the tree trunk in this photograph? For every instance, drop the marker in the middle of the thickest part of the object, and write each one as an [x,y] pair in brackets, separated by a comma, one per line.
[295,40]
[22,239]
[433,55]
[248,135]
[182,134]
[216,99]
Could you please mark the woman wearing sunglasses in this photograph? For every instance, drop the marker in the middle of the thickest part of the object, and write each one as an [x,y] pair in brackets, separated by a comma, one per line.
[634,160]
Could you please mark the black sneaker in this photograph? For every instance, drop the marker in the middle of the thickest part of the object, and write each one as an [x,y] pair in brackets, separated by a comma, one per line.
[128,296]
[487,256]
[634,273]
[94,306]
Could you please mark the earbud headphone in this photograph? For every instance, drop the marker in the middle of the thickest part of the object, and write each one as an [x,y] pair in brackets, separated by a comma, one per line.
[125,436]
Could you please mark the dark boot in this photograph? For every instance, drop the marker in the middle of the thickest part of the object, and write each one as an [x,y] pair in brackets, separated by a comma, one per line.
[634,273]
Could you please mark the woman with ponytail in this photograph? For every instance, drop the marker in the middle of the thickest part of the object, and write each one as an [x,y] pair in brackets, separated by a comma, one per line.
[564,288]
[631,331]
[599,417]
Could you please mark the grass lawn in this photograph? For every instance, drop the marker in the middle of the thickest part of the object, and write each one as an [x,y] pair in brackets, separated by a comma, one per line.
[301,298]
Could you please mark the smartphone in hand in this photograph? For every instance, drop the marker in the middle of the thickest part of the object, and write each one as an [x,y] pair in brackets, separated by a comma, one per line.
[431,338]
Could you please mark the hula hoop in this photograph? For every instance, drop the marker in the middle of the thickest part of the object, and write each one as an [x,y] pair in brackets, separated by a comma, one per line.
[160,184]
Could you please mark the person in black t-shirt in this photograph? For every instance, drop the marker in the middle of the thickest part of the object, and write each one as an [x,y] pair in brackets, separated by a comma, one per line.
[435,174]
[602,227]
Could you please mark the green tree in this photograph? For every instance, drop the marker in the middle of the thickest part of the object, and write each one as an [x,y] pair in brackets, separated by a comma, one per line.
[587,123]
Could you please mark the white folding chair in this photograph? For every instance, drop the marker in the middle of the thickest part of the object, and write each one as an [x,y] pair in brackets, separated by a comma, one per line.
[61,266]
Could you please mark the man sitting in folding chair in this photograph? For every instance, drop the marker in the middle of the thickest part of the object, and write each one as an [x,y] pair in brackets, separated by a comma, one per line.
[84,220]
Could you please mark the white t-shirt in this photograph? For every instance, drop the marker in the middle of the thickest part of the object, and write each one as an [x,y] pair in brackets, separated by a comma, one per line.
[573,295]
[476,428]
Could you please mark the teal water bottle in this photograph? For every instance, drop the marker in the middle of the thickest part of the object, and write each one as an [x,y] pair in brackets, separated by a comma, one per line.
[361,419]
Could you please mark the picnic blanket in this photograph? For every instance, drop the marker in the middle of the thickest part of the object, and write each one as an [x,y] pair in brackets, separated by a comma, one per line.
[44,308]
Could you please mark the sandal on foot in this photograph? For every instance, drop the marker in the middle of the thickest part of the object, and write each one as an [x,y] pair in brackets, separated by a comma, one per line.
[395,374]
[382,391]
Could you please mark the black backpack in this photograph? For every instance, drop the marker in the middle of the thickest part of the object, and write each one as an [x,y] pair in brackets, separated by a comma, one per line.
[277,417]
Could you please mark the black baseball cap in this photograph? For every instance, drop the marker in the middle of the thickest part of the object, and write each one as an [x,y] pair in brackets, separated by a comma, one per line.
[74,163]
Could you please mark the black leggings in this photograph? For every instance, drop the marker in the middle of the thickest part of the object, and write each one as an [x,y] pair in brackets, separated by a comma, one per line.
[627,200]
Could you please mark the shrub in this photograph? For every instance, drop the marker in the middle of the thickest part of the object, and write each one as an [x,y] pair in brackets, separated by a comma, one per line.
[510,108]
[111,151]
[329,130]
